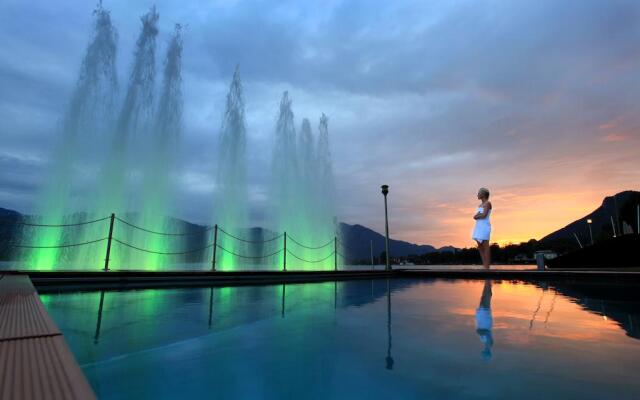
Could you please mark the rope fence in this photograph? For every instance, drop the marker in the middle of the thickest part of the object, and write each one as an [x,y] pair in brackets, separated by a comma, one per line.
[60,246]
[312,261]
[250,241]
[162,233]
[248,257]
[169,253]
[311,247]
[214,245]
[23,223]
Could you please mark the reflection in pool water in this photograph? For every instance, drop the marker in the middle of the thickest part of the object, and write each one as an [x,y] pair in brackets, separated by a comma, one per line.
[484,320]
[358,339]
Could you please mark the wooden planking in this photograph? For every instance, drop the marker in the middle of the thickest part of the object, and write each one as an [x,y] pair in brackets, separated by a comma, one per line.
[22,314]
[40,368]
[19,284]
[35,362]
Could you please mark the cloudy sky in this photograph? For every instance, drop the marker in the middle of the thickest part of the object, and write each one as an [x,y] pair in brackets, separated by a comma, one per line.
[537,100]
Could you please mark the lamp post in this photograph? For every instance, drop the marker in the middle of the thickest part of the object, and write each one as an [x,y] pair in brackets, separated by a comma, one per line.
[589,222]
[385,191]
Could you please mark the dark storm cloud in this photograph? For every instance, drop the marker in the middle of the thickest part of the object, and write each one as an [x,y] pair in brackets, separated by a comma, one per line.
[434,98]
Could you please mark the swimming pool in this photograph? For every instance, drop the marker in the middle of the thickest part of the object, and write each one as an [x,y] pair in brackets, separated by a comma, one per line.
[391,339]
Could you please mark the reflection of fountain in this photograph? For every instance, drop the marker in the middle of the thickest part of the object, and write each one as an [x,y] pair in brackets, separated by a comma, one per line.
[484,321]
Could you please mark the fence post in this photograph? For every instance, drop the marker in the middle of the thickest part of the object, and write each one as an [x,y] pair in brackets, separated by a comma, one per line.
[335,252]
[284,265]
[215,247]
[106,260]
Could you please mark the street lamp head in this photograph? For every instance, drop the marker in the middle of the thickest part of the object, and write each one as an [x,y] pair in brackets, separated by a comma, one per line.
[385,189]
[589,221]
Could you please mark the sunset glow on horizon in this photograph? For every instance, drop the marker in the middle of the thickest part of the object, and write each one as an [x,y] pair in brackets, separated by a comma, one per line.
[516,217]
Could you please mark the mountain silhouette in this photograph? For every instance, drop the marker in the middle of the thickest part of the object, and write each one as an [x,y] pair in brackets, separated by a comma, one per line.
[620,208]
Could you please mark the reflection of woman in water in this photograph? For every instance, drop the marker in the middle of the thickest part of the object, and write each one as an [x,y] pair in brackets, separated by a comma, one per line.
[482,229]
[484,321]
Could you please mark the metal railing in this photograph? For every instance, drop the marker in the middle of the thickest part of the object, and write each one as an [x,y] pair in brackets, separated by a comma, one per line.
[215,245]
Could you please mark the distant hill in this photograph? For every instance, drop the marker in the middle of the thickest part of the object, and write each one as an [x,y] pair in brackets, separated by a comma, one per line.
[8,230]
[357,238]
[621,207]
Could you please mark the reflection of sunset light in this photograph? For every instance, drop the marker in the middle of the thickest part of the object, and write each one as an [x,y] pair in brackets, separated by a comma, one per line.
[522,312]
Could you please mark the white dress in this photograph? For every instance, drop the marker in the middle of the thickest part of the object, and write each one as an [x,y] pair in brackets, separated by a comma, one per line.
[482,230]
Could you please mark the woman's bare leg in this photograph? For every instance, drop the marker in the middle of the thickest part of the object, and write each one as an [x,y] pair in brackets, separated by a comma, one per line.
[487,255]
[481,250]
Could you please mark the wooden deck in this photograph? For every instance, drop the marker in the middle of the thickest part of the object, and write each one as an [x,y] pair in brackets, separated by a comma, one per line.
[35,362]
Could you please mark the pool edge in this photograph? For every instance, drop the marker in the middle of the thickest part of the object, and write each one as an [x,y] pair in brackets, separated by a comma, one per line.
[38,362]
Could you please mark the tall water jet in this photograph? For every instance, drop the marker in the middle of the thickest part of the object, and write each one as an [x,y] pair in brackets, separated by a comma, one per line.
[307,154]
[297,193]
[306,183]
[133,123]
[231,203]
[325,185]
[84,124]
[315,229]
[158,156]
[284,204]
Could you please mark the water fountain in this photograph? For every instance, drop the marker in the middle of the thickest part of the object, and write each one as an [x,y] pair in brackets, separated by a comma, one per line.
[123,165]
[83,132]
[158,151]
[121,171]
[230,200]
[302,189]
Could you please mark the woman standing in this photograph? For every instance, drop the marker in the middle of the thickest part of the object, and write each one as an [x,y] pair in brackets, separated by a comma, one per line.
[482,230]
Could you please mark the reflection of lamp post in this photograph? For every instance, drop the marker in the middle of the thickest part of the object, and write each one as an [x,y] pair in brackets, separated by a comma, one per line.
[389,359]
[385,191]
[589,222]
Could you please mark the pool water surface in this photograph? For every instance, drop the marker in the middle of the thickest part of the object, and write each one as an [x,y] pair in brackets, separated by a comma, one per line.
[374,339]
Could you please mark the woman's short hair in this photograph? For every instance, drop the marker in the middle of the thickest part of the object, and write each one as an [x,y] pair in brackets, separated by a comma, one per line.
[484,192]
